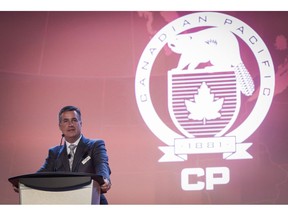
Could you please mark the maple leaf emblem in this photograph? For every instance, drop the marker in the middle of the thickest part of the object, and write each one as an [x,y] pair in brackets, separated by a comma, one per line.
[205,107]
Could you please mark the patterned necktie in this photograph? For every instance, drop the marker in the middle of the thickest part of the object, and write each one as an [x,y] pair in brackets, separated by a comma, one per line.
[72,147]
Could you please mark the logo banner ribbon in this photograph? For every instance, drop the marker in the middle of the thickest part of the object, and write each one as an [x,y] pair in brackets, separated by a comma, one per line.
[226,145]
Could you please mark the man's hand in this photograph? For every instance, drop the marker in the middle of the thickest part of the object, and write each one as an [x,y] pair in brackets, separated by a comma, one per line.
[106,186]
[16,189]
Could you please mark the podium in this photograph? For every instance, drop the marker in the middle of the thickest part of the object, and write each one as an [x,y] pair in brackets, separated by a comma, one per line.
[58,188]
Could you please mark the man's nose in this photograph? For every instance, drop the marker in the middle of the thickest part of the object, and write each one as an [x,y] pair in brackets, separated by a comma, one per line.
[70,123]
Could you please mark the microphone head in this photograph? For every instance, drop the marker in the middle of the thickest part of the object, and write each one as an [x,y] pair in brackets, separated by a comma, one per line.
[62,136]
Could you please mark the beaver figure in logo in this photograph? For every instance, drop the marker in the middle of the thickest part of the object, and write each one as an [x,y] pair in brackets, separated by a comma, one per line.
[217,46]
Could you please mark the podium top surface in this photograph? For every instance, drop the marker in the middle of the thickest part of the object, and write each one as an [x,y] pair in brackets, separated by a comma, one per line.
[56,181]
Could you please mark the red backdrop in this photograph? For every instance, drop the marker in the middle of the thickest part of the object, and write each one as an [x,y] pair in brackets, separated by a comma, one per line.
[89,59]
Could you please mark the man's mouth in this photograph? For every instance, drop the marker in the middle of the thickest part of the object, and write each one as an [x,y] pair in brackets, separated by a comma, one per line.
[71,130]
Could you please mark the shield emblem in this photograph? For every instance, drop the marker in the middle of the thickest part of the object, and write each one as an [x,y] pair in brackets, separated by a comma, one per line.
[203,104]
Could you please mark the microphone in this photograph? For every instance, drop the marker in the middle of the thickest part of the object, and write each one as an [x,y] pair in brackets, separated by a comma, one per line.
[61,139]
[69,156]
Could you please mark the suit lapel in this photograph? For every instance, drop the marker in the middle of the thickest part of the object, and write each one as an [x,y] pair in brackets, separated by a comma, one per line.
[64,157]
[80,151]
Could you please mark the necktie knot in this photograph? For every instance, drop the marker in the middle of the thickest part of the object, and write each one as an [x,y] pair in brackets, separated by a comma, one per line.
[72,147]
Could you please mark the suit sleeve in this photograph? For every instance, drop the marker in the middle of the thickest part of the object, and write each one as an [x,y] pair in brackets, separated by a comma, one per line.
[49,163]
[100,159]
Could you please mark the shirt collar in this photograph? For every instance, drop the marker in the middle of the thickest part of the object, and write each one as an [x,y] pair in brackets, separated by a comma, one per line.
[75,143]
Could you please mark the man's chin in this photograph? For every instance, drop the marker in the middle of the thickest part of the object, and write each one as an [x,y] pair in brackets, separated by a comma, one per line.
[71,137]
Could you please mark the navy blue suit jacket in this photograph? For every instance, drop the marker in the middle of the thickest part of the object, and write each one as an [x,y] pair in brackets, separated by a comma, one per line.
[90,157]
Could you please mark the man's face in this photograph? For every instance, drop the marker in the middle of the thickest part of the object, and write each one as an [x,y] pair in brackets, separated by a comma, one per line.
[70,125]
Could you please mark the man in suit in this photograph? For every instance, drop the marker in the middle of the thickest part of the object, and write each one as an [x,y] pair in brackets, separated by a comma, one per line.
[90,156]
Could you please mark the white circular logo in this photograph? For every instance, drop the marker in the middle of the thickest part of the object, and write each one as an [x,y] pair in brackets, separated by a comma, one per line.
[211,21]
